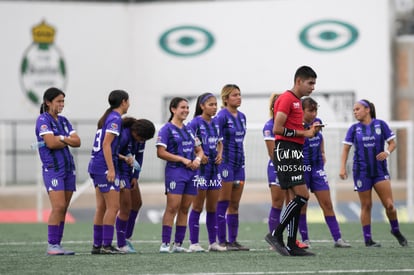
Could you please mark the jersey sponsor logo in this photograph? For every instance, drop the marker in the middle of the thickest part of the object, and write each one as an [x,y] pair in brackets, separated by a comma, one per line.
[44,128]
[114,126]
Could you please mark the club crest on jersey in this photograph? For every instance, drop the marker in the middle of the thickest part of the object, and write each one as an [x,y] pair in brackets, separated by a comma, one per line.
[378,130]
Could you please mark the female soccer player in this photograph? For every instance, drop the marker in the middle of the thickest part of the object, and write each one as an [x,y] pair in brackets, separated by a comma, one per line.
[232,127]
[180,148]
[135,132]
[315,176]
[58,167]
[103,169]
[369,135]
[206,130]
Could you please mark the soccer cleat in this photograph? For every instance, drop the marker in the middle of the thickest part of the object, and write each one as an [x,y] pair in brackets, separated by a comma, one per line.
[109,249]
[165,248]
[371,243]
[216,247]
[126,249]
[341,243]
[302,244]
[401,239]
[238,246]
[54,250]
[131,247]
[177,248]
[96,250]
[229,247]
[277,244]
[296,251]
[68,252]
[196,248]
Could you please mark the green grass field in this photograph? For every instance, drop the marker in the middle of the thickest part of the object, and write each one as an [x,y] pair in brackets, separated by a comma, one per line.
[23,246]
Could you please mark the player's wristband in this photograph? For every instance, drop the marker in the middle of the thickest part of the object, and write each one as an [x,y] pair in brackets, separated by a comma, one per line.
[62,138]
[388,152]
[289,132]
[198,158]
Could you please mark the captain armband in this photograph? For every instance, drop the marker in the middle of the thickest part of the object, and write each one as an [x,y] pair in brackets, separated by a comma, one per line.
[289,132]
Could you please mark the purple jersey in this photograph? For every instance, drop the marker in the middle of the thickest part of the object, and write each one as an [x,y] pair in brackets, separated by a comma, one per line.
[232,129]
[369,141]
[312,153]
[180,142]
[208,134]
[128,145]
[97,164]
[57,159]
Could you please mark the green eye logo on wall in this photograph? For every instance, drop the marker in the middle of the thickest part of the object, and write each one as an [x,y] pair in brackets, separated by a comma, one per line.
[328,35]
[186,41]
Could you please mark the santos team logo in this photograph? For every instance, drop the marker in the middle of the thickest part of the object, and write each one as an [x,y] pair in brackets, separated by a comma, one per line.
[186,41]
[328,35]
[42,65]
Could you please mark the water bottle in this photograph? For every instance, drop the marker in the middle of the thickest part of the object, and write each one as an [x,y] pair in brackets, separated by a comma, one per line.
[37,144]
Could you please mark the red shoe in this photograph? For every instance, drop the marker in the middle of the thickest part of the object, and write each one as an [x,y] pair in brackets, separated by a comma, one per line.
[301,244]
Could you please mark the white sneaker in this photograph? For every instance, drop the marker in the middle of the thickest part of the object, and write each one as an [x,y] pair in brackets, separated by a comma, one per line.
[127,250]
[307,242]
[216,247]
[196,248]
[178,249]
[165,248]
[131,247]
[342,244]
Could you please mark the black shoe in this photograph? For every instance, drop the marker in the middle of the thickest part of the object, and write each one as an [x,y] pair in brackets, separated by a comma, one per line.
[371,243]
[96,249]
[401,239]
[230,246]
[277,244]
[110,250]
[296,251]
[237,245]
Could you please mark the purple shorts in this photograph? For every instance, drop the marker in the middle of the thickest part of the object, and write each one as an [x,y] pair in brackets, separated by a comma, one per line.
[231,174]
[271,175]
[316,180]
[180,180]
[209,177]
[364,182]
[125,182]
[100,181]
[58,181]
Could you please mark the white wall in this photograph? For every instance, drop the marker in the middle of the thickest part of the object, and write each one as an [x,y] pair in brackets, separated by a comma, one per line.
[257,46]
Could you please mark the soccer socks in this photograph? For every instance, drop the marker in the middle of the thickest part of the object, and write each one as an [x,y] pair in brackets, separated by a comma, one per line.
[97,235]
[233,226]
[211,224]
[53,234]
[274,218]
[131,223]
[194,226]
[108,234]
[221,220]
[303,227]
[394,226]
[61,229]
[366,230]
[166,234]
[291,212]
[120,231]
[333,227]
[179,234]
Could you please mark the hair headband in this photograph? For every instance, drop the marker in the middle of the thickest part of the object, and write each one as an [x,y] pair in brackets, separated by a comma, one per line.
[364,103]
[207,96]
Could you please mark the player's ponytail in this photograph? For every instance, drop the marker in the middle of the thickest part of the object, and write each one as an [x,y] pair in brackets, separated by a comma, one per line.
[115,100]
[371,107]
